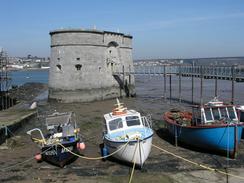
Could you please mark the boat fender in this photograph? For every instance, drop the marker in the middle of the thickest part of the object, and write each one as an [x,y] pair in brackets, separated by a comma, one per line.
[105,151]
[81,145]
[38,157]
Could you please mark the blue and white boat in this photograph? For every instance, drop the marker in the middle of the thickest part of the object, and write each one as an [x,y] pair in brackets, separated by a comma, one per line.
[129,133]
[214,126]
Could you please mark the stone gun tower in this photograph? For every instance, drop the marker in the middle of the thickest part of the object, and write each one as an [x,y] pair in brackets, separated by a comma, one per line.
[88,65]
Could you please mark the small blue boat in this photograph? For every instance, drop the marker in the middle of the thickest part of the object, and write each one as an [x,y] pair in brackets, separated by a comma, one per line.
[213,126]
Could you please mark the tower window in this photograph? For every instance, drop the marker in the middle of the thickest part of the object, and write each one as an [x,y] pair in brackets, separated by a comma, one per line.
[59,67]
[78,58]
[78,67]
[58,58]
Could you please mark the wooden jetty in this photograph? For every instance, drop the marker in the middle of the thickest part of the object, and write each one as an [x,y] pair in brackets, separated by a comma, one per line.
[209,72]
[233,73]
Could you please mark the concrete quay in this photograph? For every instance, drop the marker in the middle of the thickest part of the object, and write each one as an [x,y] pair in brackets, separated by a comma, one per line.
[12,119]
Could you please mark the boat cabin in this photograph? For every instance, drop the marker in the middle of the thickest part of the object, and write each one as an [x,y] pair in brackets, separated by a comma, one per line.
[214,111]
[128,120]
[61,124]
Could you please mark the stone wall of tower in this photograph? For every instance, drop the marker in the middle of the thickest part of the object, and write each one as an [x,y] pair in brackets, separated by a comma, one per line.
[83,63]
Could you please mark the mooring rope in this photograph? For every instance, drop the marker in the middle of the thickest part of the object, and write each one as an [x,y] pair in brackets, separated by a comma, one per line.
[134,162]
[17,164]
[94,158]
[198,164]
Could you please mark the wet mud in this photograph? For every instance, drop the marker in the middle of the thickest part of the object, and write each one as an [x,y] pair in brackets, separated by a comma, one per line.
[159,167]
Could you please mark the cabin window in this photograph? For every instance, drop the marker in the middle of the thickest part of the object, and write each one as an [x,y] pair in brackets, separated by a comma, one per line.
[78,67]
[241,116]
[232,114]
[59,67]
[196,116]
[115,124]
[223,112]
[208,114]
[216,113]
[132,120]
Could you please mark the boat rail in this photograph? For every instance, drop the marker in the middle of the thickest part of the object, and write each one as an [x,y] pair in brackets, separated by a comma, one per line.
[147,121]
[42,136]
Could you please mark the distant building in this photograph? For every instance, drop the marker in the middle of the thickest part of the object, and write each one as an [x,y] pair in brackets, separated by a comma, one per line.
[84,63]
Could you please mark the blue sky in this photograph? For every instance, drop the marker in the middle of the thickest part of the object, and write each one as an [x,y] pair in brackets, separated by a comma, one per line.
[160,28]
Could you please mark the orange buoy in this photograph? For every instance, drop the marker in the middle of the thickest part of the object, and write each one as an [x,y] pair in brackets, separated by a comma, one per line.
[81,146]
[38,157]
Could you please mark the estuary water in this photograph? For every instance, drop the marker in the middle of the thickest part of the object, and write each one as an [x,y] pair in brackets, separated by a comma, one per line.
[21,77]
[153,86]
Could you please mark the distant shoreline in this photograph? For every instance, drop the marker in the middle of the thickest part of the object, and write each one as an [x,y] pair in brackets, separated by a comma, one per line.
[28,69]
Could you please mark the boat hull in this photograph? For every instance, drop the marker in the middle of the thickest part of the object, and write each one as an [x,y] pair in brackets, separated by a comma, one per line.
[214,138]
[134,151]
[59,156]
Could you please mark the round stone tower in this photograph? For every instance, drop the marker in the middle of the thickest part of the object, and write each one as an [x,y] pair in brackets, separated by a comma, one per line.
[88,65]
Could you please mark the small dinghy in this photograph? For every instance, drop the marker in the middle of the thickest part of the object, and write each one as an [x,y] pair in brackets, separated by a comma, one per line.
[129,133]
[62,137]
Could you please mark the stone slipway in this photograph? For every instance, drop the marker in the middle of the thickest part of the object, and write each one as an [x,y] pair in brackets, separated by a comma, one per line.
[13,119]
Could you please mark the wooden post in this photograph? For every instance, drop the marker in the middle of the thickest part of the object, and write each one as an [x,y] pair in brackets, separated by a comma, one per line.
[164,82]
[129,86]
[179,83]
[176,136]
[233,84]
[170,87]
[216,82]
[201,87]
[192,84]
[123,70]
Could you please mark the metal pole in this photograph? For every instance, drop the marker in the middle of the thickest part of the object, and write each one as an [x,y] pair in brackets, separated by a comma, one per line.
[164,82]
[129,81]
[180,83]
[201,87]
